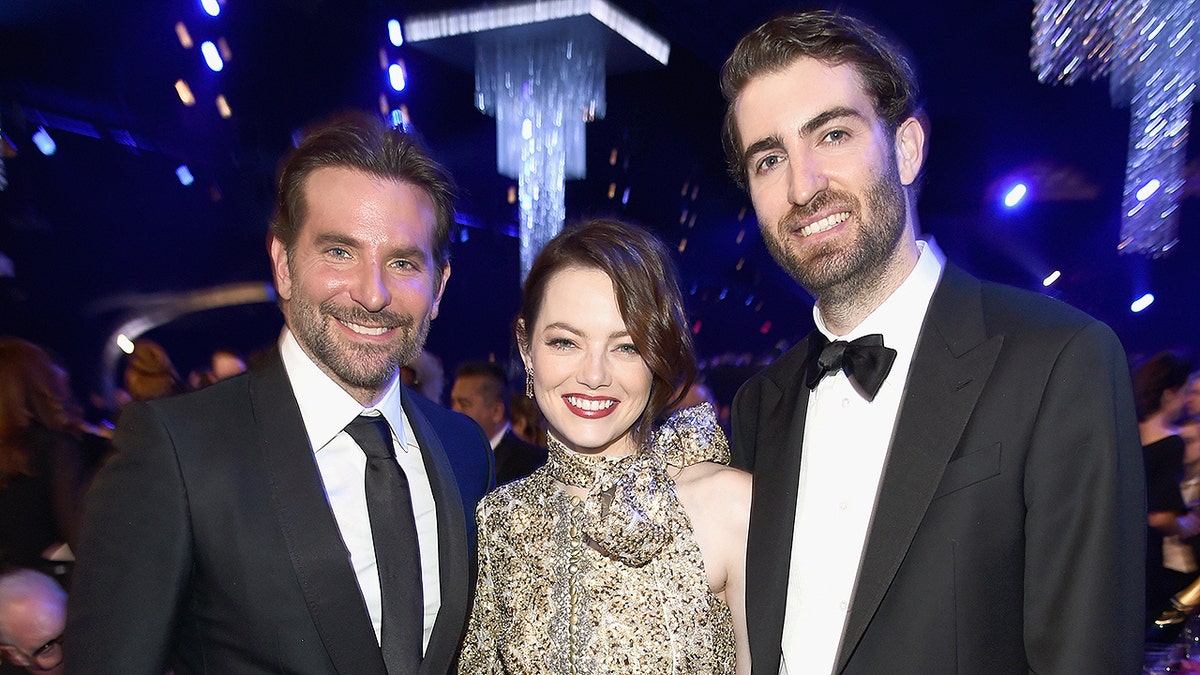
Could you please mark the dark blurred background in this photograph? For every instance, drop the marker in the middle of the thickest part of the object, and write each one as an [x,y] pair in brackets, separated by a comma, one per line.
[104,227]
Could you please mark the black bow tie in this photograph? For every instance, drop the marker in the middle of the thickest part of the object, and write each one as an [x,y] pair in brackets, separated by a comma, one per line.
[865,361]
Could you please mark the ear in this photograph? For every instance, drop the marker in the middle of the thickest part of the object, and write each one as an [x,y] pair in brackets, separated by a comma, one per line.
[497,411]
[910,149]
[441,288]
[279,268]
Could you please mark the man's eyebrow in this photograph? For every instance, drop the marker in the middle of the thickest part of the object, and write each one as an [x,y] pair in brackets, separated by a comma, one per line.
[771,142]
[827,117]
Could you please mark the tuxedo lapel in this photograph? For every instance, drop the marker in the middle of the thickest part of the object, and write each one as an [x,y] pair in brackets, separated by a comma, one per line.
[779,411]
[952,362]
[314,543]
[453,550]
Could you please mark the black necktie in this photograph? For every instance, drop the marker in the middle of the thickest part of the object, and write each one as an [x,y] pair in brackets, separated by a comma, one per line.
[865,361]
[397,556]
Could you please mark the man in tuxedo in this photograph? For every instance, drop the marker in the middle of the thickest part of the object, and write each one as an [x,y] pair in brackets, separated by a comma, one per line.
[310,516]
[480,392]
[947,471]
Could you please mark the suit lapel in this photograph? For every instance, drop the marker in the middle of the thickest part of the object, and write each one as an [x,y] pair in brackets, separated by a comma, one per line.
[453,550]
[780,412]
[314,543]
[952,363]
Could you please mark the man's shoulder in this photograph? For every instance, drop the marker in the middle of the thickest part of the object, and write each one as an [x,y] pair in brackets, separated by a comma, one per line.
[779,372]
[1014,311]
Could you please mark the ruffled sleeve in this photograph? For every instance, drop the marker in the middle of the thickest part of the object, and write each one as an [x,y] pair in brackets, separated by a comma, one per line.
[691,435]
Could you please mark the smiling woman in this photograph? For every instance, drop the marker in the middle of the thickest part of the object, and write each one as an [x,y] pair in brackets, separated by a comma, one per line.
[630,511]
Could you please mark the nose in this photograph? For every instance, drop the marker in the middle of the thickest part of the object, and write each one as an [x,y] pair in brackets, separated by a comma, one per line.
[594,372]
[371,287]
[806,179]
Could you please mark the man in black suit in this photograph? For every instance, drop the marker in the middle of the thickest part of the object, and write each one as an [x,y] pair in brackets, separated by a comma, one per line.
[238,529]
[480,392]
[961,495]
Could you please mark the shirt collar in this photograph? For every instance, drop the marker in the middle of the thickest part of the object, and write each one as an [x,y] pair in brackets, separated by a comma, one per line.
[900,316]
[495,440]
[325,407]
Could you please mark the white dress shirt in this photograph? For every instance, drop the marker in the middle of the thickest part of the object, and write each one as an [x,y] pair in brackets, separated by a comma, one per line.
[326,409]
[846,441]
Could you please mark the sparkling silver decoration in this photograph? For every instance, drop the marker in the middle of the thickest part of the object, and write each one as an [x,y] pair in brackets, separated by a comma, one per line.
[1150,51]
[540,70]
[541,95]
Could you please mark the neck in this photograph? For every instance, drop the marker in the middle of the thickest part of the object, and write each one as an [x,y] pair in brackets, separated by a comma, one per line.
[844,306]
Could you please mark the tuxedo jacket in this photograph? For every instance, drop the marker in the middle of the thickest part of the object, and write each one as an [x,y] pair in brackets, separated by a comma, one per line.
[1009,529]
[516,458]
[208,545]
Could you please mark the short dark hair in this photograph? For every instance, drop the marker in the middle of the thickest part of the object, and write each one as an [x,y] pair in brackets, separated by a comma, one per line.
[834,38]
[362,142]
[646,286]
[1156,375]
[495,380]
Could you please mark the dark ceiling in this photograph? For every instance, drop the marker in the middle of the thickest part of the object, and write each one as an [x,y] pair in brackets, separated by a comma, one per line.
[103,225]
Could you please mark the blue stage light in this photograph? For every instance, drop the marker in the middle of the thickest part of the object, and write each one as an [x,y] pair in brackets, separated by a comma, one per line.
[1051,278]
[1142,303]
[1015,195]
[211,56]
[211,7]
[43,142]
[396,76]
[185,175]
[394,33]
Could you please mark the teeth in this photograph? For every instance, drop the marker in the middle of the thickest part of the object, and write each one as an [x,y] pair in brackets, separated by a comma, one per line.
[590,404]
[824,223]
[366,330]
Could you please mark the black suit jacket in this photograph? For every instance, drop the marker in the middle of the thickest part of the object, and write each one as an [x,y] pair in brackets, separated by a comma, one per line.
[208,544]
[1009,530]
[516,458]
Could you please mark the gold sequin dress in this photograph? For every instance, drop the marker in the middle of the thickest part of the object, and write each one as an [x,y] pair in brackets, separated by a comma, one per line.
[612,583]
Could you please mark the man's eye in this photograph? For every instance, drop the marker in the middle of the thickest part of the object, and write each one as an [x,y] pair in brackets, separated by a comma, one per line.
[767,163]
[338,252]
[836,136]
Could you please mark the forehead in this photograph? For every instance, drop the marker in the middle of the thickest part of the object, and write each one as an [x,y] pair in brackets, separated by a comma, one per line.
[350,200]
[581,297]
[786,98]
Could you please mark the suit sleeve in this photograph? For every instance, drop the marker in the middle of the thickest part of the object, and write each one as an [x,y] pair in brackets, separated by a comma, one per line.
[134,555]
[745,429]
[1085,519]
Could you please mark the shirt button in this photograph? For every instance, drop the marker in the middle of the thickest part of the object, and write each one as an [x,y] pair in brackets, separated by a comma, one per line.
[843,605]
[842,506]
[845,403]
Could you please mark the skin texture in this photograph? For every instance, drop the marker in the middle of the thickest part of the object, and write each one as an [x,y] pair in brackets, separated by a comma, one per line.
[33,613]
[362,259]
[830,185]
[581,352]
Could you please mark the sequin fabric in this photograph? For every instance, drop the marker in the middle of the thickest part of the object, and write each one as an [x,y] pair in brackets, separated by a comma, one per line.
[611,583]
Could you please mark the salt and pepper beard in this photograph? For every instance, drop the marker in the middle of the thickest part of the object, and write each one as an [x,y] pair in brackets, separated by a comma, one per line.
[835,276]
[365,366]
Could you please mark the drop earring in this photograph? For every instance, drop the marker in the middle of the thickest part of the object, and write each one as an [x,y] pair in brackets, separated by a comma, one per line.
[529,382]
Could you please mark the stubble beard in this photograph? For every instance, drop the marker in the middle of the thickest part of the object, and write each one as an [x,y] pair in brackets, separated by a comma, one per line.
[833,274]
[366,367]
